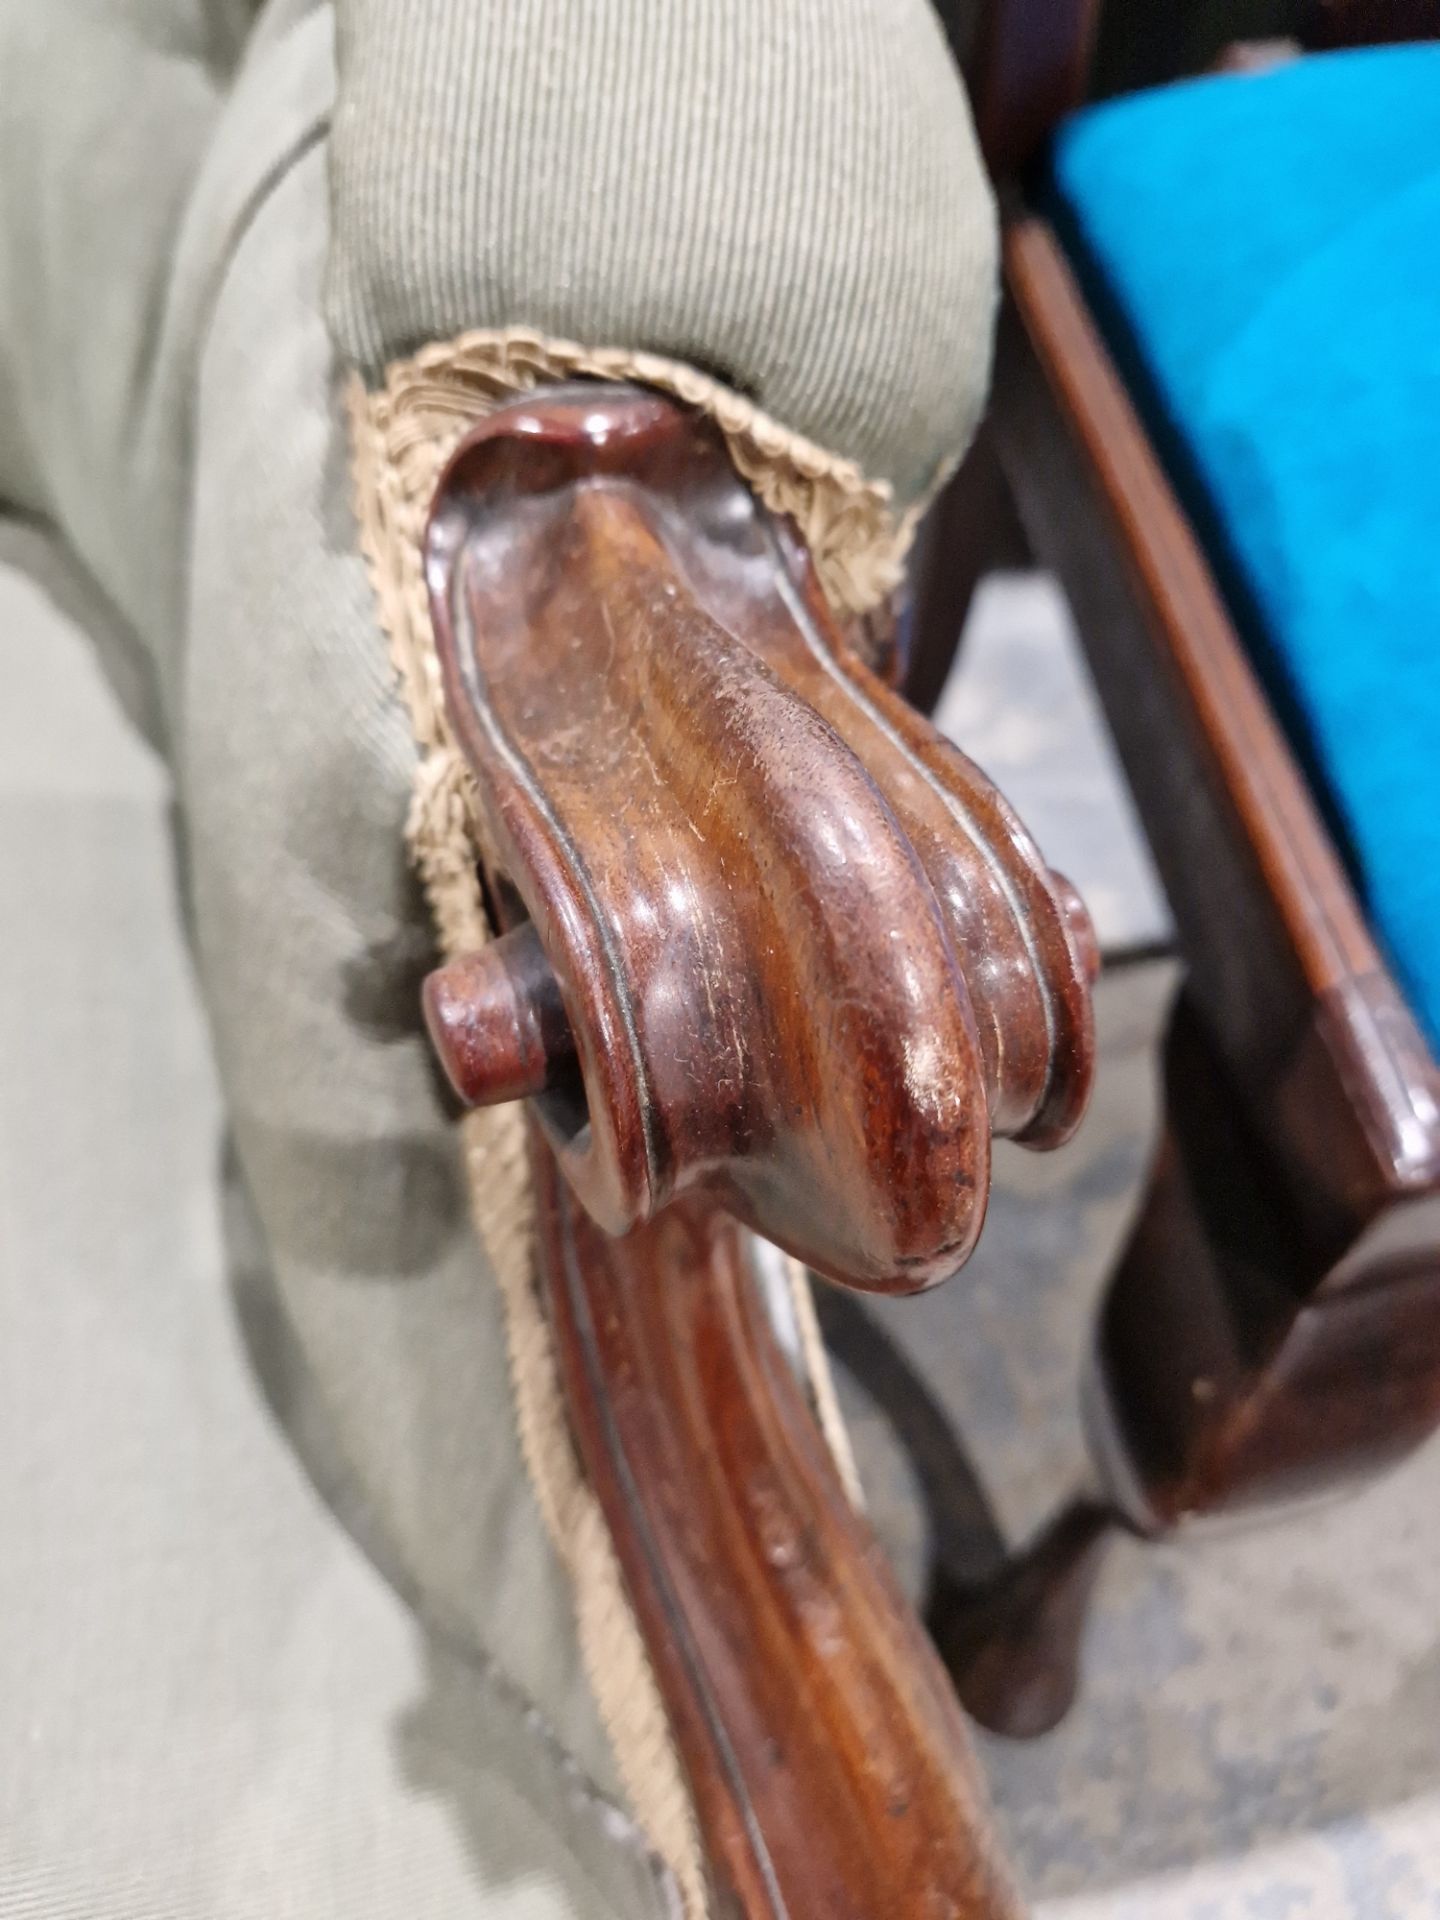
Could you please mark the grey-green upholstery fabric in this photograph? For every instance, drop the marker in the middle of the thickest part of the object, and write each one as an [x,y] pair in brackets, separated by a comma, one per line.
[212,1704]
[784,191]
[106,112]
[169,408]
[294,765]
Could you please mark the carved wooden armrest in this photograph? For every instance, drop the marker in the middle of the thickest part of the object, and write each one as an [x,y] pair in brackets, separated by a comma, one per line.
[774,953]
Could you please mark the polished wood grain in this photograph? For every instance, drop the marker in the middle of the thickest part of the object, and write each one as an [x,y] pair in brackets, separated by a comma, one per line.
[810,960]
[832,1773]
[498,1022]
[774,955]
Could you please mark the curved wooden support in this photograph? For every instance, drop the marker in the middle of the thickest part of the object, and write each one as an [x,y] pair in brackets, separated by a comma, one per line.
[809,959]
[831,1769]
[775,953]
[1013,1646]
[1229,1374]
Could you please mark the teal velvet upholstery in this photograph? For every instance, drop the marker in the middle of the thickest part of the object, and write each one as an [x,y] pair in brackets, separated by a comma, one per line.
[1264,252]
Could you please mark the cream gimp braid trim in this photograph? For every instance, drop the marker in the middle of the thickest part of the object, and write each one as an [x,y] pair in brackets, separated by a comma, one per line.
[402,435]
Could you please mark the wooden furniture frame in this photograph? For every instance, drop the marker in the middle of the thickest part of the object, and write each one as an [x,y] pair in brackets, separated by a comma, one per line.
[1274,1323]
[771,954]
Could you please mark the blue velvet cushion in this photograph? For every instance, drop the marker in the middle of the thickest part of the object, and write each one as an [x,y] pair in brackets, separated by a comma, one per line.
[1264,252]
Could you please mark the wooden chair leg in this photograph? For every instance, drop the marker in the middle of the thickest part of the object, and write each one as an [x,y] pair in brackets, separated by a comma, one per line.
[1242,1362]
[972,529]
[1013,1646]
[1230,1373]
[1008,1628]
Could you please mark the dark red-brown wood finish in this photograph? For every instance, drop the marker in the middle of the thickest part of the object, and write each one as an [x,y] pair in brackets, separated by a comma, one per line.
[808,958]
[832,1773]
[774,953]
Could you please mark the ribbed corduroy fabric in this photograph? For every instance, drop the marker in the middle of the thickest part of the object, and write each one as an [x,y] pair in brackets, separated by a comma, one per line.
[784,192]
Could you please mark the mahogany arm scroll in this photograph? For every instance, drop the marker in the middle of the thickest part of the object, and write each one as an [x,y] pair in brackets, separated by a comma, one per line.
[773,953]
[780,942]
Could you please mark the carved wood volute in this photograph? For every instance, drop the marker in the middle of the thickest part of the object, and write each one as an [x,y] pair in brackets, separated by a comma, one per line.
[772,938]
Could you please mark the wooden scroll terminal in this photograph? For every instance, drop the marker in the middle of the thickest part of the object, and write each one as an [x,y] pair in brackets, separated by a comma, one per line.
[773,953]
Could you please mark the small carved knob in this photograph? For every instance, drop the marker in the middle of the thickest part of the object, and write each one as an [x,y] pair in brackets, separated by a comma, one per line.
[497,1021]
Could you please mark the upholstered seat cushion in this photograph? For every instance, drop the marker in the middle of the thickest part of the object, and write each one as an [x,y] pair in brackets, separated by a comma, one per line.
[1265,254]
